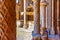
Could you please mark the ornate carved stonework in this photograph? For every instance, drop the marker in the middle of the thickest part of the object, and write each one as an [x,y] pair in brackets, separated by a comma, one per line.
[7,20]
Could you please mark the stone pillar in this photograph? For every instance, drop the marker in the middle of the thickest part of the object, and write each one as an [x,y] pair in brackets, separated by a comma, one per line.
[36,32]
[58,16]
[54,17]
[25,25]
[49,15]
[43,5]
[52,28]
[7,20]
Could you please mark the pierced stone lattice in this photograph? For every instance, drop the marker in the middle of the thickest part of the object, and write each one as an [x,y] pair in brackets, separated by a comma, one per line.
[7,20]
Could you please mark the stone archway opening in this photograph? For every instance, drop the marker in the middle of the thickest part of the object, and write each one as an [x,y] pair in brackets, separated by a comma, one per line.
[24,15]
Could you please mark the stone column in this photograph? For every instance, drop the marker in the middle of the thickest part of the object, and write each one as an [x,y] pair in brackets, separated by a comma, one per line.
[49,15]
[54,17]
[25,25]
[7,20]
[43,5]
[52,28]
[58,16]
[36,32]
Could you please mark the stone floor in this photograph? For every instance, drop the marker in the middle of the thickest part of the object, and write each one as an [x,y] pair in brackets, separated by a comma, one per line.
[54,37]
[26,34]
[23,34]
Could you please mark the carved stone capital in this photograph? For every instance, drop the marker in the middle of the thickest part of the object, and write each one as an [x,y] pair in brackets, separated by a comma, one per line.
[43,3]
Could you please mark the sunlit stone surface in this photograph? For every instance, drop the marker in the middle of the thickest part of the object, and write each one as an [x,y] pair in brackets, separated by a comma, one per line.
[24,34]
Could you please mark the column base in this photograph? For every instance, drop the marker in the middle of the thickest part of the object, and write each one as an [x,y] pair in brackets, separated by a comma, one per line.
[44,36]
[36,36]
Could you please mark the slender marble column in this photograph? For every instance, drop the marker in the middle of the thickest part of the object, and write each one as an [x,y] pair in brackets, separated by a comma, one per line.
[43,5]
[36,32]
[54,17]
[49,15]
[52,29]
[24,13]
[58,16]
